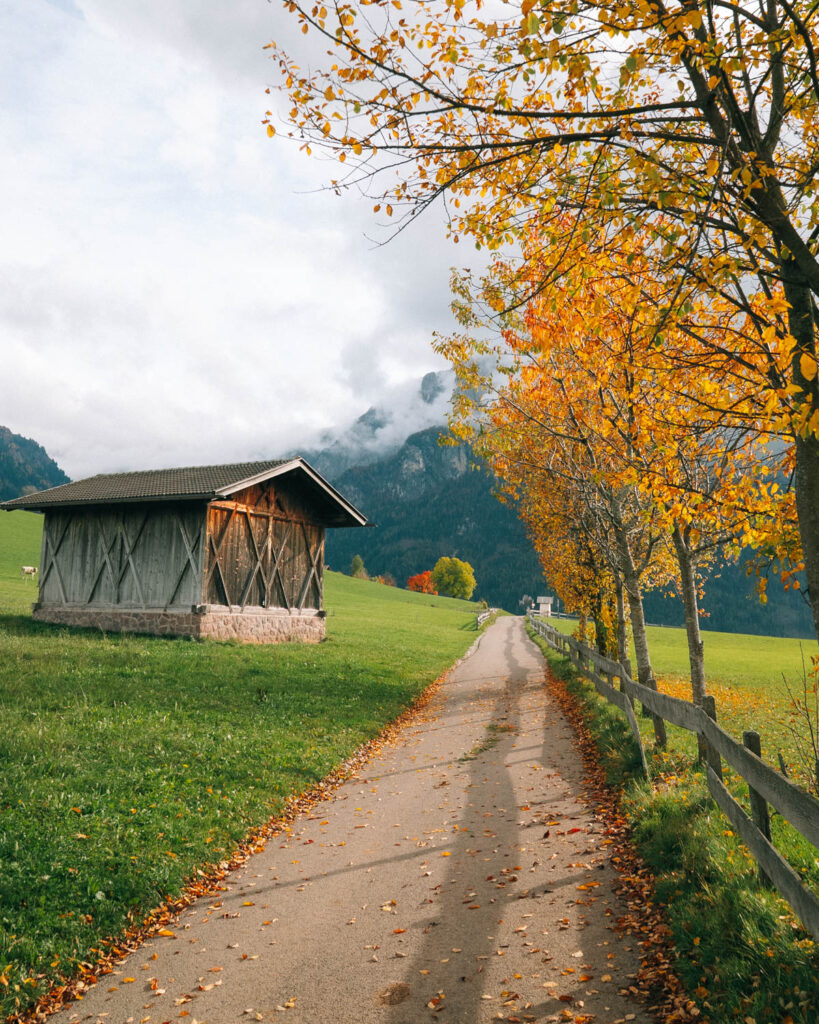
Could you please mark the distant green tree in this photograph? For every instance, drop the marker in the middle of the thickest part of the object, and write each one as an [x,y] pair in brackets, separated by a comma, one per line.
[453,577]
[357,568]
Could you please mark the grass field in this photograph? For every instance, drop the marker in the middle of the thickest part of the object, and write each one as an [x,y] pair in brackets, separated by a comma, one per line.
[749,677]
[129,761]
[740,949]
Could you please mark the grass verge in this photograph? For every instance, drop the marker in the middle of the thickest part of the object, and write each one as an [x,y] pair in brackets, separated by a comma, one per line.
[741,954]
[129,762]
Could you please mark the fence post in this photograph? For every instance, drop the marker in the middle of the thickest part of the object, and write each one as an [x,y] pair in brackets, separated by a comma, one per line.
[759,807]
[710,708]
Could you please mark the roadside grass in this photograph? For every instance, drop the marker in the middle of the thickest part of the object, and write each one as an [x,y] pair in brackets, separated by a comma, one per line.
[741,952]
[129,761]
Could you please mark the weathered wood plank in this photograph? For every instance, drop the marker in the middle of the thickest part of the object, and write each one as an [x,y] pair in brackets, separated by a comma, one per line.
[672,709]
[799,808]
[786,880]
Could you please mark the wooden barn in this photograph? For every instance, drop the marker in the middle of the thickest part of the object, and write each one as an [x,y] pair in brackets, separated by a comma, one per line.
[233,551]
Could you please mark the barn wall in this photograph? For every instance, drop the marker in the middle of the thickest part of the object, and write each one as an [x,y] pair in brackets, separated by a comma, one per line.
[264,549]
[126,556]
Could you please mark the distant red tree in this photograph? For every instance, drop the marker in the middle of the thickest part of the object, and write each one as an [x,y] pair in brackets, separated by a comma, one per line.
[422,583]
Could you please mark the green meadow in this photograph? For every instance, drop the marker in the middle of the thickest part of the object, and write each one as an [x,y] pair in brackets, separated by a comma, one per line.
[129,762]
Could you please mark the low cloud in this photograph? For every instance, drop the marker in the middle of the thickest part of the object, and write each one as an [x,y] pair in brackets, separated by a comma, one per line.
[174,286]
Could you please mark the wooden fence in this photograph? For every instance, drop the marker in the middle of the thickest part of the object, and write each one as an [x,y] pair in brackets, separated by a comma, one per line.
[765,784]
[486,614]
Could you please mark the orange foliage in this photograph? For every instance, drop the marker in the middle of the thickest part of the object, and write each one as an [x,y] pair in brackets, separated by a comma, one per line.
[422,583]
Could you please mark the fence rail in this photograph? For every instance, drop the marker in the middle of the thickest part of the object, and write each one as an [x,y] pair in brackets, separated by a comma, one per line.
[484,615]
[765,784]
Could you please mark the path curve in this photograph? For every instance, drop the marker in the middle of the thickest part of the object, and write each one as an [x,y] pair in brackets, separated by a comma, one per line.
[458,878]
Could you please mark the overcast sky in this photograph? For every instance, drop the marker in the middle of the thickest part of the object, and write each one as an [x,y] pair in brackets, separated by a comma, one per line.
[173,289]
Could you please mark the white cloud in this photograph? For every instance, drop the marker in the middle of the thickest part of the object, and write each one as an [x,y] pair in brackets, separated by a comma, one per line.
[172,286]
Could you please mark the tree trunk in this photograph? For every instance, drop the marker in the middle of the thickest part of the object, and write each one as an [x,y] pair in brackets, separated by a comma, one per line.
[806,489]
[692,619]
[622,625]
[806,477]
[631,580]
[601,633]
[696,659]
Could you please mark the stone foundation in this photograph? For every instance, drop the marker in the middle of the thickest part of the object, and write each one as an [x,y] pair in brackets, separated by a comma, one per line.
[207,622]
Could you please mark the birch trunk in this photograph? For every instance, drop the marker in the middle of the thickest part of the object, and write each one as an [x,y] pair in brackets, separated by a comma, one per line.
[688,584]
[622,626]
[634,595]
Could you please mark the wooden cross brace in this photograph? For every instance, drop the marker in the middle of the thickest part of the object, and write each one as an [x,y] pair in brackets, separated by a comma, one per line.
[52,549]
[313,571]
[191,547]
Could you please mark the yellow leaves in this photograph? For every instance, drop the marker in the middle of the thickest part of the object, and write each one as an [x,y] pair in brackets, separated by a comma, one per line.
[808,366]
[530,24]
[271,131]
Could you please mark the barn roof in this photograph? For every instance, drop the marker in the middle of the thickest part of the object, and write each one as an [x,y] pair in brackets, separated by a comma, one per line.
[203,483]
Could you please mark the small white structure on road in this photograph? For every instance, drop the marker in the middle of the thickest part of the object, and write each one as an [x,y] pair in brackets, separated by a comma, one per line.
[545,605]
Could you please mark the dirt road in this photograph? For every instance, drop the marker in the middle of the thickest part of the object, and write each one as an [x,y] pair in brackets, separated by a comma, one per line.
[457,879]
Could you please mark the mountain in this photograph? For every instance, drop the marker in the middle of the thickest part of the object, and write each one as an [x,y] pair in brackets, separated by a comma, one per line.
[25,466]
[428,501]
[384,428]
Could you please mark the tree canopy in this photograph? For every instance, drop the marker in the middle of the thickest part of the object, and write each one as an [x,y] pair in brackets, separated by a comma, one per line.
[690,122]
[453,577]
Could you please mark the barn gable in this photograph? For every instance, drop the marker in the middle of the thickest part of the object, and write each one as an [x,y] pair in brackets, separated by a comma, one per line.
[220,551]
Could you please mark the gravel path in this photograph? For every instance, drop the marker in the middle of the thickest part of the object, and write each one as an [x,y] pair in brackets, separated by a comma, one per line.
[458,878]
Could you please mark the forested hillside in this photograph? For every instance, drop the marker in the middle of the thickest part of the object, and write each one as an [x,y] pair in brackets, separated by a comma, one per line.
[427,501]
[25,466]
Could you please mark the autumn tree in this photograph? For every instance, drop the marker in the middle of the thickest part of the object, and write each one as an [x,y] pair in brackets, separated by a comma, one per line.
[422,583]
[453,577]
[695,121]
[584,372]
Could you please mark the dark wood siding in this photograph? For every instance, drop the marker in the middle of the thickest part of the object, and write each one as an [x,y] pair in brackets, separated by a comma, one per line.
[264,550]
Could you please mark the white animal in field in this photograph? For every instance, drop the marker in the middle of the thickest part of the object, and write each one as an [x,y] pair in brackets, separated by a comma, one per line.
[28,570]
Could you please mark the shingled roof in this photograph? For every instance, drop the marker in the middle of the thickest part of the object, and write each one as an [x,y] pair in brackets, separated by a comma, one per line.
[188,483]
